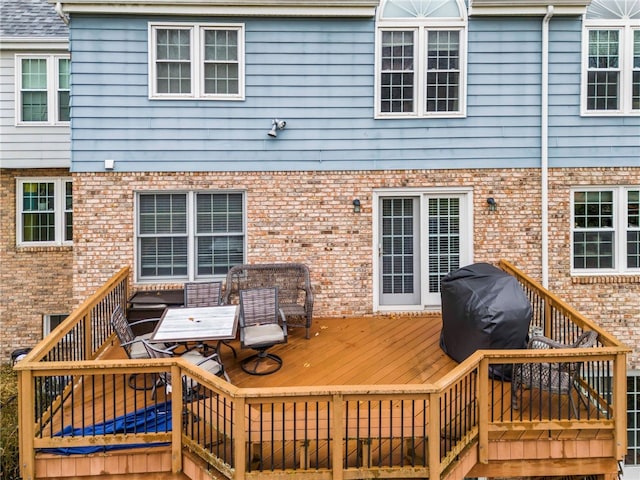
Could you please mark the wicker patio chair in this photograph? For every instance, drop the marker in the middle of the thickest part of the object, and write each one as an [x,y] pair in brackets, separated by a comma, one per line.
[211,364]
[553,378]
[262,325]
[202,294]
[295,295]
[205,294]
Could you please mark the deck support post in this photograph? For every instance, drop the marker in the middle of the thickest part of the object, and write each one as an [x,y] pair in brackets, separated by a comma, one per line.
[338,437]
[304,454]
[26,407]
[620,403]
[364,452]
[176,415]
[483,410]
[434,436]
[240,436]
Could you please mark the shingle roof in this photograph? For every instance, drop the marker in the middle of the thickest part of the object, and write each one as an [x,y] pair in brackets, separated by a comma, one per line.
[30,19]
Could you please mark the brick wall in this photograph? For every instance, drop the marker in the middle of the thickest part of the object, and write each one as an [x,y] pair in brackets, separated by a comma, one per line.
[612,301]
[34,281]
[307,217]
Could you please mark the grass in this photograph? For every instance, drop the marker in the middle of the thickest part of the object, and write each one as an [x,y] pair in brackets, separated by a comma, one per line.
[9,463]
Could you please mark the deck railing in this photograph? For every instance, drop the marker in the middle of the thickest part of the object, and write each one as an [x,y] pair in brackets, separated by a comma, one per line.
[317,432]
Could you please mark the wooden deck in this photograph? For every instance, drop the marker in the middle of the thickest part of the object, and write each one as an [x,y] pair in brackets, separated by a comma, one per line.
[354,351]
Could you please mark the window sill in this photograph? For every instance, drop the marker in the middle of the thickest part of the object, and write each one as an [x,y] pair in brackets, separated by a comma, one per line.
[43,248]
[598,279]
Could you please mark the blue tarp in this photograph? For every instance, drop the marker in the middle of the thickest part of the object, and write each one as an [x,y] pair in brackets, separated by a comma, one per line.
[153,419]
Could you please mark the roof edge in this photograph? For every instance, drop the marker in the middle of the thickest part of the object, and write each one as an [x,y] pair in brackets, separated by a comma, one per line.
[288,8]
[34,43]
[527,7]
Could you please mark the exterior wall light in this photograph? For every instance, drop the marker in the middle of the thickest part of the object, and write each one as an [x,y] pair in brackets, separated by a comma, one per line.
[356,206]
[493,206]
[275,126]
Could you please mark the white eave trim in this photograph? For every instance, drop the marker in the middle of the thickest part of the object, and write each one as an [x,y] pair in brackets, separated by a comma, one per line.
[34,44]
[527,7]
[281,8]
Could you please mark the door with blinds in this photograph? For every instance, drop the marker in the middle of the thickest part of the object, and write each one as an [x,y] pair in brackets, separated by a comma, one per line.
[421,237]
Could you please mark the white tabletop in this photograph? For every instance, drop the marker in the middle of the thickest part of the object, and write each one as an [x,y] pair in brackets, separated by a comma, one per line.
[197,324]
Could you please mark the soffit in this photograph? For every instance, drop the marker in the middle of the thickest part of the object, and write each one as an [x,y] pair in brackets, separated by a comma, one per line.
[282,8]
[527,7]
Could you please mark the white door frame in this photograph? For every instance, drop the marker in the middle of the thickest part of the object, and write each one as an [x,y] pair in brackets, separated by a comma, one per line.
[466,232]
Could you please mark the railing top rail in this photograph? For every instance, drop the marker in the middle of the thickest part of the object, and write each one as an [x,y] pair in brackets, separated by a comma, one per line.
[580,320]
[46,344]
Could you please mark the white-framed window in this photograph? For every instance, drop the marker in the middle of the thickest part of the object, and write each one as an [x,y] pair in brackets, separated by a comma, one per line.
[42,89]
[421,59]
[189,235]
[611,58]
[51,321]
[44,211]
[199,61]
[632,458]
[605,230]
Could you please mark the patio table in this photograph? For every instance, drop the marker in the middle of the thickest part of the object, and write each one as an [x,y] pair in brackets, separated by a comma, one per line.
[197,324]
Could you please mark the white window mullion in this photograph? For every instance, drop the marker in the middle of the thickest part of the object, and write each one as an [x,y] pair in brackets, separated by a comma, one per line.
[420,78]
[191,233]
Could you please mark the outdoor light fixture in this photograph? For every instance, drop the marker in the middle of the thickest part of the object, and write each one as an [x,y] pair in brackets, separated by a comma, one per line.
[275,126]
[356,206]
[493,206]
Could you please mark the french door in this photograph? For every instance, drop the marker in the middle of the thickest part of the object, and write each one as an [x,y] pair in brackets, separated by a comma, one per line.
[421,236]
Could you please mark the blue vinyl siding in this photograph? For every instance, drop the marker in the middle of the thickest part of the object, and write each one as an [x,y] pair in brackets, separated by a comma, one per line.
[318,75]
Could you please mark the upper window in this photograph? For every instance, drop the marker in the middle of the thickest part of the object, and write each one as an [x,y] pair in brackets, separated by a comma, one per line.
[189,235]
[606,230]
[42,89]
[611,71]
[45,215]
[421,59]
[196,61]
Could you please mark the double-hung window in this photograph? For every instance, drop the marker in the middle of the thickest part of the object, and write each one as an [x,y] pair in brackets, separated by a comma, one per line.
[44,212]
[189,235]
[421,59]
[611,71]
[606,230]
[200,61]
[42,89]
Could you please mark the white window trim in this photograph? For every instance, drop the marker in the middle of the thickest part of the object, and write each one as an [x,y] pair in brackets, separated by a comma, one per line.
[620,205]
[53,83]
[191,234]
[466,230]
[46,323]
[196,34]
[421,26]
[59,210]
[626,30]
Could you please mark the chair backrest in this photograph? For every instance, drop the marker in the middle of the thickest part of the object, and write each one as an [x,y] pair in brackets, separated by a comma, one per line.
[202,294]
[123,330]
[258,306]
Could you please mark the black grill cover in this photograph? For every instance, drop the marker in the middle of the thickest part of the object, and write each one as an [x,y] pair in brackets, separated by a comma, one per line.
[483,307]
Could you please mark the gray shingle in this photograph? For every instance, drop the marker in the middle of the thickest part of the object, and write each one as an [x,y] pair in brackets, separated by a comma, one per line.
[30,19]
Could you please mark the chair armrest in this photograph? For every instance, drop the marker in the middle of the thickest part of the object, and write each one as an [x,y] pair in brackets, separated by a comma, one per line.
[283,322]
[146,320]
[542,342]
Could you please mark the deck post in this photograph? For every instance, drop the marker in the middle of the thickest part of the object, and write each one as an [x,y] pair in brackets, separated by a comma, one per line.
[620,403]
[239,436]
[483,411]
[176,415]
[26,407]
[434,436]
[338,437]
